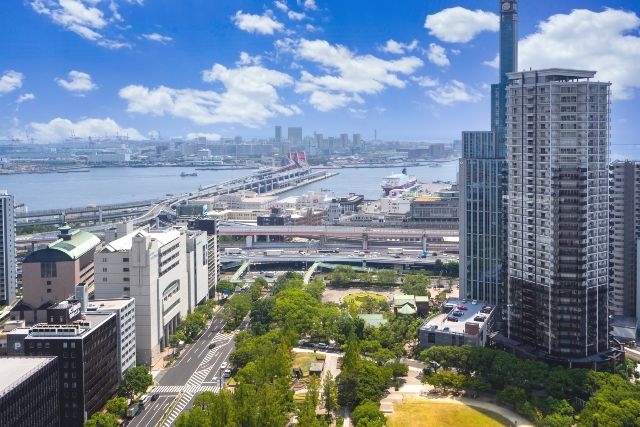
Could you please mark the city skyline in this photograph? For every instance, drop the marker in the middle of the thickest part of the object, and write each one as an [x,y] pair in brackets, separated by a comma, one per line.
[291,64]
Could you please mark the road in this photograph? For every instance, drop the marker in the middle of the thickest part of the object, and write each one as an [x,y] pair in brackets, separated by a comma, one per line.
[197,370]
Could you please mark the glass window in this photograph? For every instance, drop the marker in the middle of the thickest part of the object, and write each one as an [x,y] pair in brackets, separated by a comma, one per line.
[48,269]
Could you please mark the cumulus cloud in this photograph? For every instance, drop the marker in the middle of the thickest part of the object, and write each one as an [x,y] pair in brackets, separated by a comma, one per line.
[262,24]
[208,135]
[460,25]
[348,75]
[78,82]
[281,5]
[246,59]
[425,81]
[494,63]
[310,4]
[88,18]
[453,93]
[312,28]
[10,81]
[438,55]
[155,37]
[296,16]
[606,42]
[398,48]
[25,97]
[249,98]
[59,129]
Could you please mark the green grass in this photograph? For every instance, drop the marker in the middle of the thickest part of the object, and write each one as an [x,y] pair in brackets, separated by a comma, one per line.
[438,414]
[360,297]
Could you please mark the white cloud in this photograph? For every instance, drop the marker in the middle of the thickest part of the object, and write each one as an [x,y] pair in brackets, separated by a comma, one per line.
[460,25]
[25,97]
[281,5]
[246,59]
[494,63]
[296,16]
[456,51]
[349,75]
[453,93]
[85,18]
[438,55]
[358,113]
[10,81]
[78,82]
[208,135]
[312,28]
[155,37]
[249,97]
[262,24]
[310,4]
[425,81]
[59,129]
[606,42]
[398,48]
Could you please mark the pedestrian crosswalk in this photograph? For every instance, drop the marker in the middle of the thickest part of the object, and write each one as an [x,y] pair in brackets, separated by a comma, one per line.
[194,389]
[195,384]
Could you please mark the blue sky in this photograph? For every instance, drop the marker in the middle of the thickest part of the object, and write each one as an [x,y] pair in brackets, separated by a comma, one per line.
[414,70]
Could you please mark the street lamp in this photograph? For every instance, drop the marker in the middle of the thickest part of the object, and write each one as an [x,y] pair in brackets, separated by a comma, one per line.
[220,379]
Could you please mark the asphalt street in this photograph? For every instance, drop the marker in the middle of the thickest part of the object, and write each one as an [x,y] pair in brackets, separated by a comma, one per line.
[197,370]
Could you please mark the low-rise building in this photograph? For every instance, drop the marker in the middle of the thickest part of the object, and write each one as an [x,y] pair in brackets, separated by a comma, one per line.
[86,346]
[29,394]
[460,323]
[438,210]
[50,275]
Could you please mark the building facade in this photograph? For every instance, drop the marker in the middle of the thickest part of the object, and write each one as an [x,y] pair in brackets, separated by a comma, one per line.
[125,311]
[482,181]
[50,275]
[29,394]
[624,236]
[7,249]
[86,346]
[152,268]
[558,134]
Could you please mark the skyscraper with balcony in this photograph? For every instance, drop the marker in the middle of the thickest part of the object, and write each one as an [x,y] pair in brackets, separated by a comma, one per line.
[7,249]
[558,215]
[482,180]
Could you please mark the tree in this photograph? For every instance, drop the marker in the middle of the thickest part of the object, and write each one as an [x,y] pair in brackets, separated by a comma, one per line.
[342,275]
[387,276]
[330,394]
[117,406]
[307,413]
[261,315]
[100,419]
[176,338]
[297,309]
[316,288]
[416,284]
[135,380]
[225,286]
[368,413]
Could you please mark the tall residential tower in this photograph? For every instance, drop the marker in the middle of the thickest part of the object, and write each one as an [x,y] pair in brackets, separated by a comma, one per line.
[558,215]
[482,180]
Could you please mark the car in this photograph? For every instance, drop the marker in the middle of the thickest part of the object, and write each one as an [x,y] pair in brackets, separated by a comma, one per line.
[224,365]
[226,373]
[155,397]
[479,318]
[212,345]
[322,346]
[143,400]
[474,302]
[457,313]
[452,319]
[462,307]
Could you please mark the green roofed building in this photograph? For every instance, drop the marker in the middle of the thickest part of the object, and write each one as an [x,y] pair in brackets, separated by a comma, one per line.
[50,275]
[373,320]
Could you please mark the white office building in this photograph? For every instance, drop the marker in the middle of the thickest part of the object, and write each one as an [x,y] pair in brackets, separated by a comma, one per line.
[125,311]
[153,268]
[7,249]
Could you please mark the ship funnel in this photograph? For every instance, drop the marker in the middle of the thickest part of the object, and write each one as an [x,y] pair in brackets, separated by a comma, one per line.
[404,171]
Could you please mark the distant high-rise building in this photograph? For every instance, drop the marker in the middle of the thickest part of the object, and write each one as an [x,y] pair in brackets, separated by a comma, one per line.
[8,249]
[558,215]
[278,133]
[357,141]
[344,140]
[294,135]
[482,183]
[624,239]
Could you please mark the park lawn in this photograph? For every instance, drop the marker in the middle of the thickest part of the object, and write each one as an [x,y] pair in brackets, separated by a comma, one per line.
[304,361]
[437,414]
[360,297]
